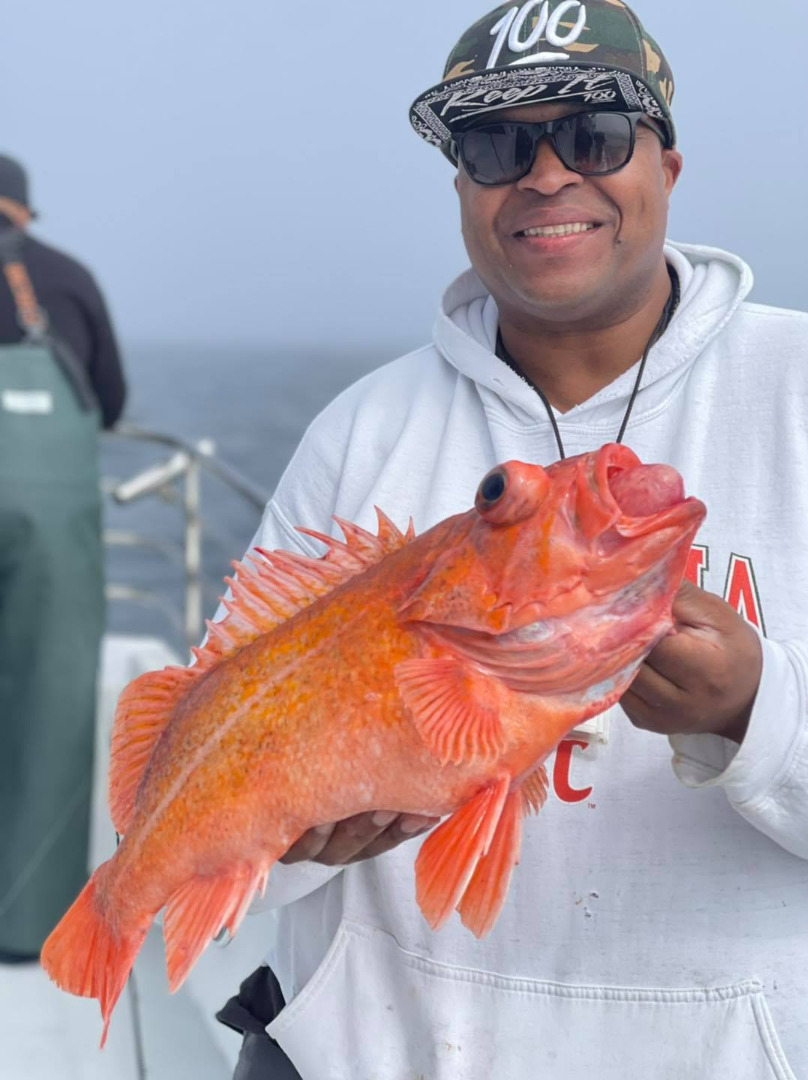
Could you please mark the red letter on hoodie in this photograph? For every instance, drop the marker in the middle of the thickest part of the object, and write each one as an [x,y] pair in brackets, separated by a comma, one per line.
[698,563]
[561,772]
[741,591]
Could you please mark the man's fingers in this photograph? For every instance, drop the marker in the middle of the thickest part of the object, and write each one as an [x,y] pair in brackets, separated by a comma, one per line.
[352,835]
[345,839]
[655,689]
[404,828]
[638,711]
[693,606]
[309,845]
[652,701]
[360,837]
[681,654]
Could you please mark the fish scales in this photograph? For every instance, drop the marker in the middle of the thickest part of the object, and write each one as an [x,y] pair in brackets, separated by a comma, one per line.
[427,675]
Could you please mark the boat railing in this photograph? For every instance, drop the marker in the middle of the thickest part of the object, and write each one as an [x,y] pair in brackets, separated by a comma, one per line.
[177,479]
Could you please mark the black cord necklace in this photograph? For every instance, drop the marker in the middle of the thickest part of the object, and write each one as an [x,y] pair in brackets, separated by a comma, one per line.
[660,328]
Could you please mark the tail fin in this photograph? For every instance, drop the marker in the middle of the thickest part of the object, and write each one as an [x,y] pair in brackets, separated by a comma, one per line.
[86,956]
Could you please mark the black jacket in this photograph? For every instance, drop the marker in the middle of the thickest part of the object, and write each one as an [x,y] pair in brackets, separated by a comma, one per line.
[77,313]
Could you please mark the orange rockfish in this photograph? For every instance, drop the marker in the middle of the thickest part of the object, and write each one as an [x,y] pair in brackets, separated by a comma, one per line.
[428,675]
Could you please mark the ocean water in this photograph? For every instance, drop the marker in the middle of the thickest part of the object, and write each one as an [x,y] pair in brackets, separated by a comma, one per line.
[255,405]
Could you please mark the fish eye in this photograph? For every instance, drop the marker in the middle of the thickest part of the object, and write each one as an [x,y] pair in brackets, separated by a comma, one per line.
[511,492]
[492,488]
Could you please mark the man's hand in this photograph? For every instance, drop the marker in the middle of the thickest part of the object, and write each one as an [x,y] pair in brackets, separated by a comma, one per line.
[357,838]
[703,677]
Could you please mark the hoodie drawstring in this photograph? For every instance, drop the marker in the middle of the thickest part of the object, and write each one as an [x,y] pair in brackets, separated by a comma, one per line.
[660,328]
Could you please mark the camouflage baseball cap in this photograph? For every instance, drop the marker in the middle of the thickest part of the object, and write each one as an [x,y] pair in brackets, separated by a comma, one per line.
[592,52]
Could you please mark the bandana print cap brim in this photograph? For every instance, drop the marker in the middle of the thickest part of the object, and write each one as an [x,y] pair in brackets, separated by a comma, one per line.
[595,53]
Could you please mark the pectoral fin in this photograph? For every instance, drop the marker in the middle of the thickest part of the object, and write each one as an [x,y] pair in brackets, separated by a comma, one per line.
[455,708]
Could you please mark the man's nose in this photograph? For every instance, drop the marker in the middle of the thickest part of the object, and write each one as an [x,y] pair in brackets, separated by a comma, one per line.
[548,174]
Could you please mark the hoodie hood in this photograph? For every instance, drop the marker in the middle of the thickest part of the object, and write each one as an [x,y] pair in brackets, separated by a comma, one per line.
[713,285]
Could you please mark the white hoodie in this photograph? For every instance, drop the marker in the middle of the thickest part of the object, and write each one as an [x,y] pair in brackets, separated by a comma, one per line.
[657,925]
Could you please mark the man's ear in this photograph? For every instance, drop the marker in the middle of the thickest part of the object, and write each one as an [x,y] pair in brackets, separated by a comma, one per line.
[672,164]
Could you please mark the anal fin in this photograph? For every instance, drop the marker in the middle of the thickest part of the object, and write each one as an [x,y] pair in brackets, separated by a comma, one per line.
[534,789]
[199,909]
[449,856]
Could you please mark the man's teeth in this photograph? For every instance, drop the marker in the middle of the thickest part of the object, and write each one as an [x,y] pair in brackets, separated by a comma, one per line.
[560,230]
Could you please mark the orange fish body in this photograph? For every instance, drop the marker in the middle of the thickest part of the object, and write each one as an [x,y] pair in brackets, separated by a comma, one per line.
[430,676]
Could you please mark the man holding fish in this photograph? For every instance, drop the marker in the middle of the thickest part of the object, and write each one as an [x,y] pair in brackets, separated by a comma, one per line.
[655,924]
[658,926]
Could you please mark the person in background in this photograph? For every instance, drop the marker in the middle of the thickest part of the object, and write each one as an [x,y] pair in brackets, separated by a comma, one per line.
[67,293]
[657,923]
[61,380]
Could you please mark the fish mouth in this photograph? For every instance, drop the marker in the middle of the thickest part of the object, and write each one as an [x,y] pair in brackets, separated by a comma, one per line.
[683,517]
[634,499]
[646,541]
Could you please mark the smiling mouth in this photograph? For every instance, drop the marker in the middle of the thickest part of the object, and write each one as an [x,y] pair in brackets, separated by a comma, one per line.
[572,228]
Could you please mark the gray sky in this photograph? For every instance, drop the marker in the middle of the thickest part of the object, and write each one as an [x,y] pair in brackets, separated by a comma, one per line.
[245,172]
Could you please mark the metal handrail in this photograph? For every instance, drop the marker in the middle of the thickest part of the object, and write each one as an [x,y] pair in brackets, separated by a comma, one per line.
[203,452]
[182,469]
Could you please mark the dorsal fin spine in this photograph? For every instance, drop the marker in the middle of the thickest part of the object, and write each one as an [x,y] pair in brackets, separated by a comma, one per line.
[217,633]
[390,535]
[323,538]
[298,590]
[319,567]
[241,616]
[265,592]
[338,553]
[359,541]
[249,599]
[277,582]
[304,571]
[263,589]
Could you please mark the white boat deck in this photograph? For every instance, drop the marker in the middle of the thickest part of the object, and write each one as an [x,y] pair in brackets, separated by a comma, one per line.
[46,1034]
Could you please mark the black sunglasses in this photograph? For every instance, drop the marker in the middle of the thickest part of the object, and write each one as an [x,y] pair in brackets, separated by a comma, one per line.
[589,143]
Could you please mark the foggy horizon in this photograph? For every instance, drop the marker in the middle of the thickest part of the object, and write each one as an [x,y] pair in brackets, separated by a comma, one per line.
[248,178]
